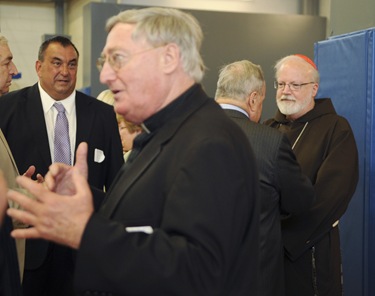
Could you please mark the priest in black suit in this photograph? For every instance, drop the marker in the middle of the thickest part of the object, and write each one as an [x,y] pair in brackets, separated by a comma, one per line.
[182,217]
[27,119]
[284,190]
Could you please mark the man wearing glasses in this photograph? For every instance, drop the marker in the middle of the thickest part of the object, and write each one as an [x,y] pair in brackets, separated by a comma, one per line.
[326,150]
[182,217]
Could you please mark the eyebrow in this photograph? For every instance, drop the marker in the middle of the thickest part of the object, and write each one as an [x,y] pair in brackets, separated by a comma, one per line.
[59,59]
[114,49]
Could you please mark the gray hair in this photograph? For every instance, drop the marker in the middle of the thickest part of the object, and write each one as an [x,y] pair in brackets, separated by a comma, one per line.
[237,80]
[160,26]
[314,72]
[3,40]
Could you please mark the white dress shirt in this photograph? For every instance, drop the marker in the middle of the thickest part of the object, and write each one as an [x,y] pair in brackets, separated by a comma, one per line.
[50,114]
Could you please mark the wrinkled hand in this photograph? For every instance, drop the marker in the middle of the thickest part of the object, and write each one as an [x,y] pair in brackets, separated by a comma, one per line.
[59,216]
[3,200]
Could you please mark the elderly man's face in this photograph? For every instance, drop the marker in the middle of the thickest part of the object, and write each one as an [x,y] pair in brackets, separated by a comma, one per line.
[7,69]
[134,71]
[295,103]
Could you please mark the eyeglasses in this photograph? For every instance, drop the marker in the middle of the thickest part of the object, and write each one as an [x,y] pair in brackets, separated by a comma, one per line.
[118,60]
[292,86]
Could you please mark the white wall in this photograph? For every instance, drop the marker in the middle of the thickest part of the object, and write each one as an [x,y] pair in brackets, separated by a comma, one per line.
[349,16]
[25,23]
[23,26]
[256,6]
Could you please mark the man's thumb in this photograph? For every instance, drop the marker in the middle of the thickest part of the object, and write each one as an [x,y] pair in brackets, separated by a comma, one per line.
[81,159]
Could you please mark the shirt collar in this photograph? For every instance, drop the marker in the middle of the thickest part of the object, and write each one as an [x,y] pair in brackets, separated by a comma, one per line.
[48,101]
[157,120]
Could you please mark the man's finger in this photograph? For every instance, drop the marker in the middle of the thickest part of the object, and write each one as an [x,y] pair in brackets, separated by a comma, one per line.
[33,187]
[26,233]
[30,171]
[82,187]
[39,178]
[24,201]
[26,218]
[81,159]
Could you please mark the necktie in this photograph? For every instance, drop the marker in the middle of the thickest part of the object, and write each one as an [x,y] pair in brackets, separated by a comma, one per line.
[61,139]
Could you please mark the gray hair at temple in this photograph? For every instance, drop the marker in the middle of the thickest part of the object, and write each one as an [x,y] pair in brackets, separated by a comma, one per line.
[313,69]
[3,40]
[160,26]
[237,80]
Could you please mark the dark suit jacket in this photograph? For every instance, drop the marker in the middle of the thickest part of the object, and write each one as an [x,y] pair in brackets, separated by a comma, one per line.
[283,190]
[23,124]
[195,183]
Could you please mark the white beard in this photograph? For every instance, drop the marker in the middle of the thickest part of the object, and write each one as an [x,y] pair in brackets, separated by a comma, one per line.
[289,106]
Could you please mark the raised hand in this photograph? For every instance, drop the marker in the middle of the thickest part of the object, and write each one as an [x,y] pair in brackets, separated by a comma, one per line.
[59,215]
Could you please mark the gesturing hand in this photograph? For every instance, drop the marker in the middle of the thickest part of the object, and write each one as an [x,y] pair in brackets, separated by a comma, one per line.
[60,216]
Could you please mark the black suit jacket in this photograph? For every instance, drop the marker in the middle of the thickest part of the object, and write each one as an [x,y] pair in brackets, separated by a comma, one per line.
[284,190]
[195,183]
[23,124]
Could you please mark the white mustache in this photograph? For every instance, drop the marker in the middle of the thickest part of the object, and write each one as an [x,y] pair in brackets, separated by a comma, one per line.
[287,97]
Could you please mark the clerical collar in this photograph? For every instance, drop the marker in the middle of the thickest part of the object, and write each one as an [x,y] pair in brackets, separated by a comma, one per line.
[157,120]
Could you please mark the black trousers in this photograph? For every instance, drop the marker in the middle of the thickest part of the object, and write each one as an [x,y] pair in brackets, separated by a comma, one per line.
[54,277]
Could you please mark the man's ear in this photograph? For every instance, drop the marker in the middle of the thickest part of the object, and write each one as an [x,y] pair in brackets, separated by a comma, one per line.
[38,65]
[171,57]
[251,100]
[315,89]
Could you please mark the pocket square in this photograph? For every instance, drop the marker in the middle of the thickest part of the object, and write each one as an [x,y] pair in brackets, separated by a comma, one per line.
[145,229]
[99,155]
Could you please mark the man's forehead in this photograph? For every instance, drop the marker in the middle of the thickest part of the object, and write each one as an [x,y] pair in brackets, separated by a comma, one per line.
[60,52]
[292,68]
[5,53]
[121,37]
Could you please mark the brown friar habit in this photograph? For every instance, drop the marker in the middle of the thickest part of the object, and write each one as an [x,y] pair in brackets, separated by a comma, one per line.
[326,150]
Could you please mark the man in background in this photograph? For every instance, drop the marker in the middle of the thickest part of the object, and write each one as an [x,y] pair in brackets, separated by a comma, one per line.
[29,119]
[9,259]
[182,217]
[284,190]
[325,147]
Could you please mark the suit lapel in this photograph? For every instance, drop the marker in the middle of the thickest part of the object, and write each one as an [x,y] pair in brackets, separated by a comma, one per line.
[85,119]
[125,179]
[35,117]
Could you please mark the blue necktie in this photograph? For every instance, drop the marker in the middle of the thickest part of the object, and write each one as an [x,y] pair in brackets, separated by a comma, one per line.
[61,138]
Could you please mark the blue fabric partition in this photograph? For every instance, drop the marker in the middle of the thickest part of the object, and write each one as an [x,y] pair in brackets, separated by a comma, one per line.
[347,67]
